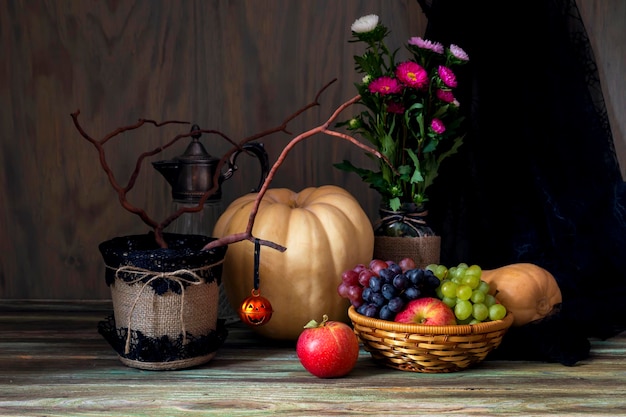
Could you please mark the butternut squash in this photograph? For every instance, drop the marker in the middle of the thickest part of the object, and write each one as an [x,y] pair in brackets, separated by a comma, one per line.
[529,291]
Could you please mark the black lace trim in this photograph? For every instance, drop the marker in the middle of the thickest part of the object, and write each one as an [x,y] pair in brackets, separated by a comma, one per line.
[126,257]
[164,348]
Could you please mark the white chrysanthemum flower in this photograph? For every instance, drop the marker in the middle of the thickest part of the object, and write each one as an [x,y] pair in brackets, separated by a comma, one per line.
[458,52]
[365,24]
[366,79]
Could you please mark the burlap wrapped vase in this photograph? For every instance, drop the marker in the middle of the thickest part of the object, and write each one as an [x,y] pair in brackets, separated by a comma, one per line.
[423,250]
[165,301]
[404,233]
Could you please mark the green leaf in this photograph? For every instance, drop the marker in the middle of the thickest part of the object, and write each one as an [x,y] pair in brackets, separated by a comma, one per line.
[348,167]
[388,147]
[405,170]
[375,179]
[417,174]
[417,177]
[431,145]
[394,203]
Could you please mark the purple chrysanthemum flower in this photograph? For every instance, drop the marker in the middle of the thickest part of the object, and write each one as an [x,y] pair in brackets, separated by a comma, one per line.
[426,44]
[447,76]
[458,52]
[445,95]
[412,74]
[437,126]
[395,108]
[384,86]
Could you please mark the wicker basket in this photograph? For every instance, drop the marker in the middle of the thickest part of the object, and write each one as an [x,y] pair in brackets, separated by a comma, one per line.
[429,349]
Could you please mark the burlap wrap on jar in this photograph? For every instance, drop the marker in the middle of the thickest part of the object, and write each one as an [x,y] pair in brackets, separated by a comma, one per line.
[165,301]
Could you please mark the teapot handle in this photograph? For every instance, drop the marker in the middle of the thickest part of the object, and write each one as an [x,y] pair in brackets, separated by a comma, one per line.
[258,150]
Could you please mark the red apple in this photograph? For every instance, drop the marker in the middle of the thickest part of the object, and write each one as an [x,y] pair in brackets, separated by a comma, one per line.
[427,310]
[329,349]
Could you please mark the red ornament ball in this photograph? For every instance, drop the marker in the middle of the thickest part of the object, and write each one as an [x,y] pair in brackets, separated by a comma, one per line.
[255,310]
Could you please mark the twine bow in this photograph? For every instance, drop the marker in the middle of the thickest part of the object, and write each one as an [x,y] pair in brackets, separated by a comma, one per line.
[175,276]
[412,219]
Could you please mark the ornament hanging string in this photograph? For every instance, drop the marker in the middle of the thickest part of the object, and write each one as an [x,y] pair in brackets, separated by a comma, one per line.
[256,310]
[257,259]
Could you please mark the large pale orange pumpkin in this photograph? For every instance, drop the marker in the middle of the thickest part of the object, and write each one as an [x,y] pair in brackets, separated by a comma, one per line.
[325,231]
[527,290]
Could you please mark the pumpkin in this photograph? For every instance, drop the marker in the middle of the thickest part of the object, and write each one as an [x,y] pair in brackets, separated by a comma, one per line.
[325,231]
[527,290]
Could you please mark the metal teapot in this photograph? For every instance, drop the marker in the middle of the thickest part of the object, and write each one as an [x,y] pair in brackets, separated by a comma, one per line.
[191,174]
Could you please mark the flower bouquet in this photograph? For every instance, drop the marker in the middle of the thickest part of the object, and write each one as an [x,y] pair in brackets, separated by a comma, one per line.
[411,117]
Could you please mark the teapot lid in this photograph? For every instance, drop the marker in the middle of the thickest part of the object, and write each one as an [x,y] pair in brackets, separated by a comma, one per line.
[195,152]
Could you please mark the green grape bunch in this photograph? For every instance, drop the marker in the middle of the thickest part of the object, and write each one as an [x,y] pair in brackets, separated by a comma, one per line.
[463,290]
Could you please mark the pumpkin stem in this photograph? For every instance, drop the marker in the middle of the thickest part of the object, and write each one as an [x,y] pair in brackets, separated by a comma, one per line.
[313,324]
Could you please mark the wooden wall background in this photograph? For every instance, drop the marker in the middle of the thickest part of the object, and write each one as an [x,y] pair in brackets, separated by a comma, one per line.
[236,66]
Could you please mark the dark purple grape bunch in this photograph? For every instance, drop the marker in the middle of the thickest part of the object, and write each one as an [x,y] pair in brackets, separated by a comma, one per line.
[384,291]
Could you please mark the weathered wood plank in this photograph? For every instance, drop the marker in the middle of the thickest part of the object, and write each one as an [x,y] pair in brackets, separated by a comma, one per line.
[54,363]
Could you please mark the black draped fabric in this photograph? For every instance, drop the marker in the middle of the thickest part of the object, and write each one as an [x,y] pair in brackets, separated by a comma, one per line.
[537,178]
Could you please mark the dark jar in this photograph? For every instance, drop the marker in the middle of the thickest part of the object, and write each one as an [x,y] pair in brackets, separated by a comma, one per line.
[408,221]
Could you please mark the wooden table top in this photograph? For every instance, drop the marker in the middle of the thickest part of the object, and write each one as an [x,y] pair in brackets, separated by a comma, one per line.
[53,362]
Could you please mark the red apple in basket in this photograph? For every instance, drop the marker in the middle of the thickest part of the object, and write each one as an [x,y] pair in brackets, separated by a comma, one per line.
[427,310]
[328,349]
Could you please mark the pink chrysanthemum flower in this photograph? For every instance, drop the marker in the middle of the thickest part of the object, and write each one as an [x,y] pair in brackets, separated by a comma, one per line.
[395,108]
[458,52]
[385,86]
[437,126]
[412,74]
[426,44]
[445,95]
[447,76]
